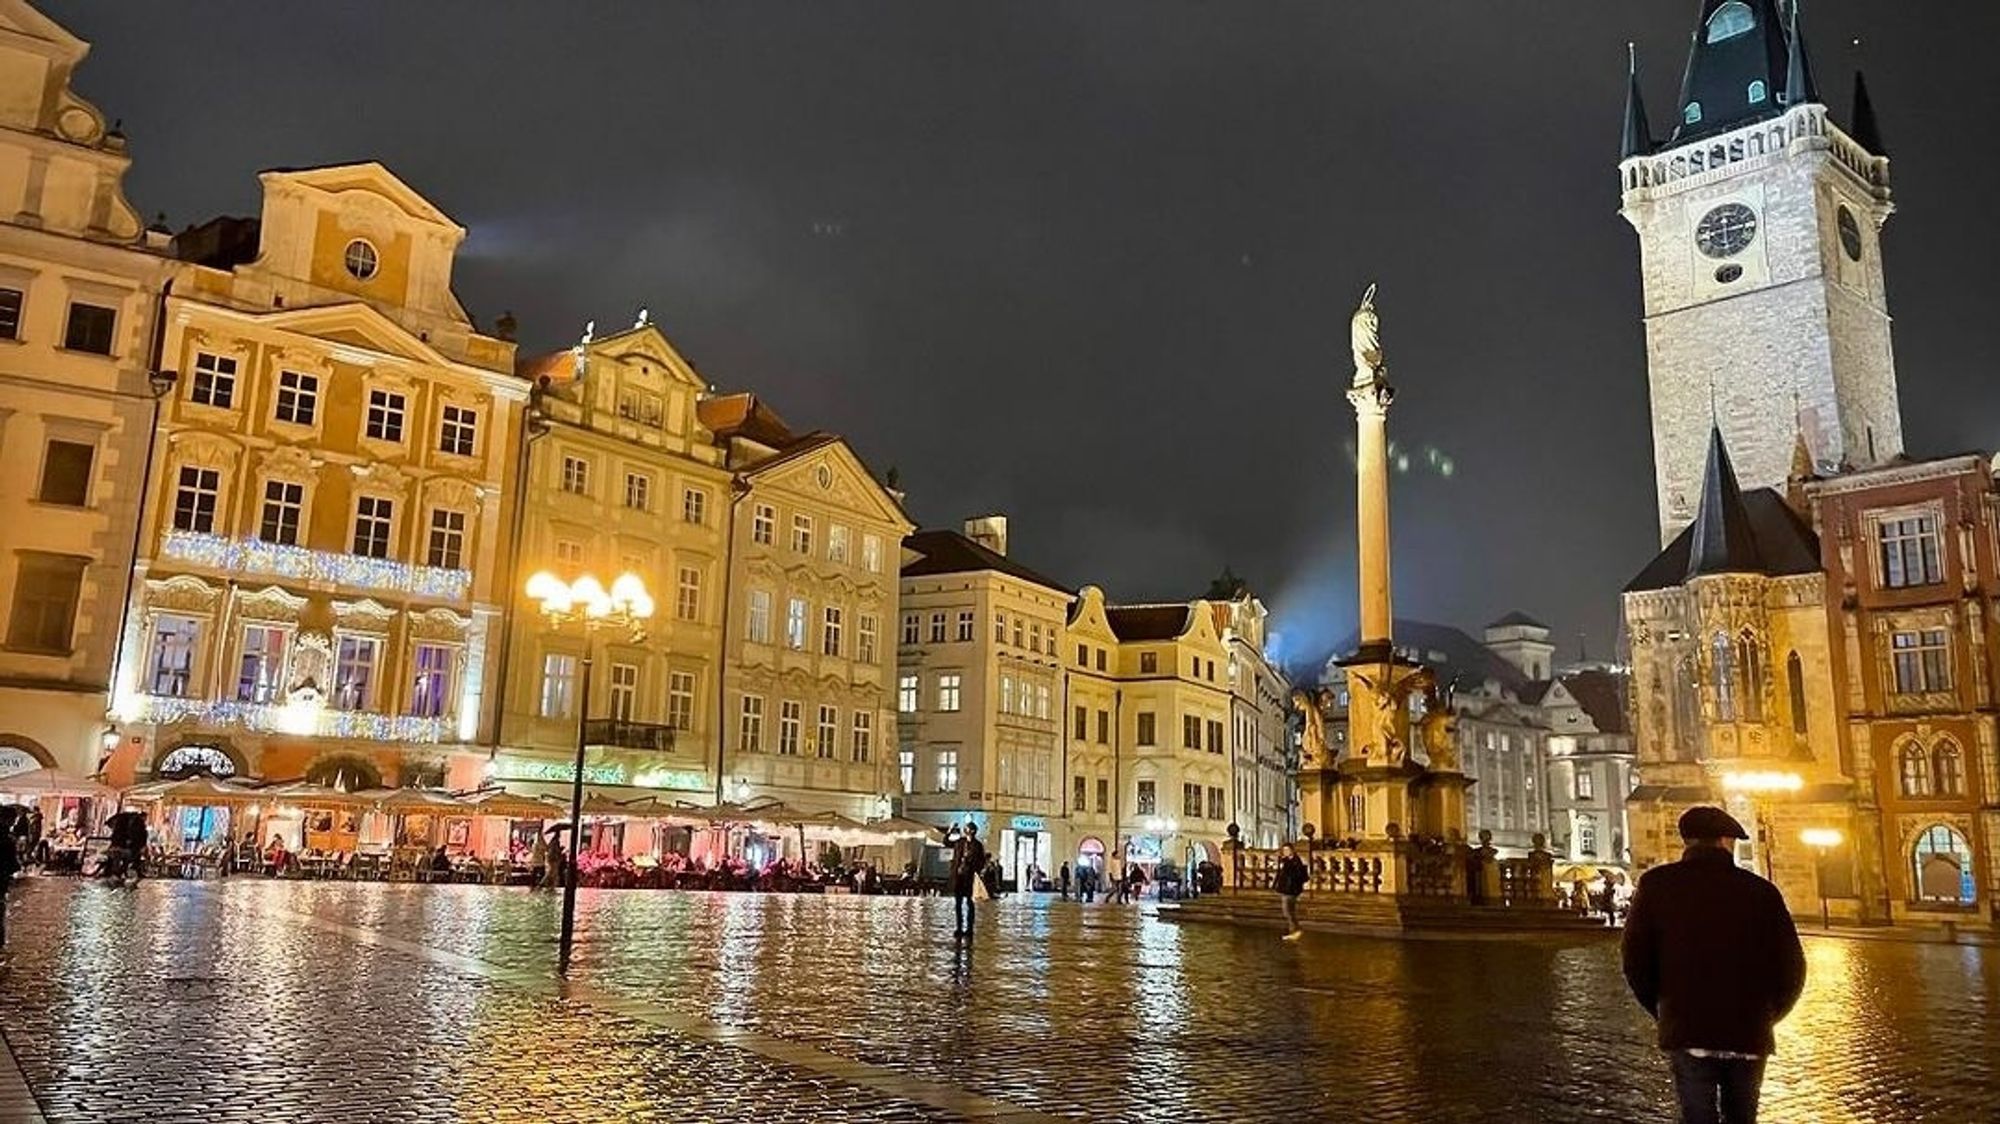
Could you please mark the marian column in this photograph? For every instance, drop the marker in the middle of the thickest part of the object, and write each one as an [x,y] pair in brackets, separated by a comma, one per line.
[1371,395]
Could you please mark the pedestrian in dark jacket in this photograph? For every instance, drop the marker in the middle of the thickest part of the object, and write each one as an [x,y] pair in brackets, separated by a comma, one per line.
[10,863]
[1712,954]
[1062,881]
[1290,882]
[968,865]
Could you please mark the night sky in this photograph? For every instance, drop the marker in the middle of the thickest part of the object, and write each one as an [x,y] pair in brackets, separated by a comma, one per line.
[1090,264]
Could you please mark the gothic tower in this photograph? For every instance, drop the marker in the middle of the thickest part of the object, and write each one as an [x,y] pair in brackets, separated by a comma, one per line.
[1759,222]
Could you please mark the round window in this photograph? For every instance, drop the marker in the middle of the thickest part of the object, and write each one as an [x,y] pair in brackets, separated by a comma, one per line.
[1728,273]
[361,259]
[824,476]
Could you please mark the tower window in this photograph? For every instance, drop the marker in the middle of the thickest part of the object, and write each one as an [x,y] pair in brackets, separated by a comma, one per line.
[1759,92]
[1731,20]
[1692,114]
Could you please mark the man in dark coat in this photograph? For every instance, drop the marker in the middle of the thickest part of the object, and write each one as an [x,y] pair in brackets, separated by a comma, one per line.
[1290,882]
[968,864]
[1711,952]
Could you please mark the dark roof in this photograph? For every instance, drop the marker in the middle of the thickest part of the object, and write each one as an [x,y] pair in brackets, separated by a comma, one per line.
[1799,85]
[1465,660]
[1863,127]
[1638,136]
[1754,532]
[744,415]
[1722,66]
[948,552]
[1517,617]
[223,242]
[1148,622]
[1601,694]
[1723,543]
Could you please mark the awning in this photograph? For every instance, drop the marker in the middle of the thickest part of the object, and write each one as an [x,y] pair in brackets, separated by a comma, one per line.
[418,801]
[195,790]
[53,782]
[308,795]
[514,805]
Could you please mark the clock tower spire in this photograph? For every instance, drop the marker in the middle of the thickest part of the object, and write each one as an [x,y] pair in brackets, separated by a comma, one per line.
[1759,223]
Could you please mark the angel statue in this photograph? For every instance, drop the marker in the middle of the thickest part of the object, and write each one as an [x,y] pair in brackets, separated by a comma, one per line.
[1366,336]
[1440,729]
[1313,751]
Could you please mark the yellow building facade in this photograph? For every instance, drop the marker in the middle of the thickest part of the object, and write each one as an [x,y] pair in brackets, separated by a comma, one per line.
[317,586]
[80,282]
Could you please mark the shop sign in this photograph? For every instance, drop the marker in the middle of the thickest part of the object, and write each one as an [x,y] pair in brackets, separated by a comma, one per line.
[16,761]
[667,778]
[1030,823]
[525,769]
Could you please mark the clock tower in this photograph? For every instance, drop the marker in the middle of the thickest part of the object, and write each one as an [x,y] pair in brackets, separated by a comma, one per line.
[1759,221]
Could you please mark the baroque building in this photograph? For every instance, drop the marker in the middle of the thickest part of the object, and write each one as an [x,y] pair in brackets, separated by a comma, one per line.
[316,582]
[80,386]
[1263,804]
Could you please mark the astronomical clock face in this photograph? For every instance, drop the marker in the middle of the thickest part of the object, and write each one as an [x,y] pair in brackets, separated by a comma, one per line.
[1726,231]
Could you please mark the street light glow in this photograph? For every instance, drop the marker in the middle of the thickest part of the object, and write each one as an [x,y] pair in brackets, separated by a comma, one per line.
[1762,782]
[1824,837]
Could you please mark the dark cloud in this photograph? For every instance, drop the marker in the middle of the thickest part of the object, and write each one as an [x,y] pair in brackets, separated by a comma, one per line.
[1091,262]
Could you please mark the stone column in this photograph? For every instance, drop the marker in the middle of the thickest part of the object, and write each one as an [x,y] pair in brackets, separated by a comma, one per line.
[1371,401]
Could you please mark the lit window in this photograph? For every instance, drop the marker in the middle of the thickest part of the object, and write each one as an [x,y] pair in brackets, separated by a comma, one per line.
[827,732]
[763,523]
[863,744]
[1148,803]
[1758,92]
[836,544]
[194,499]
[260,669]
[575,475]
[937,628]
[802,534]
[214,381]
[964,624]
[871,553]
[170,666]
[447,545]
[558,685]
[795,624]
[283,503]
[680,700]
[907,694]
[298,397]
[760,616]
[789,712]
[906,769]
[1947,772]
[864,638]
[947,770]
[624,691]
[385,415]
[1692,114]
[459,432]
[1586,836]
[750,730]
[687,594]
[373,518]
[1941,862]
[694,506]
[948,692]
[830,631]
[1911,552]
[429,693]
[1730,20]
[355,660]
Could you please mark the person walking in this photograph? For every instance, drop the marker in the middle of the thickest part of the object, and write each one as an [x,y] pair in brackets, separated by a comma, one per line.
[968,866]
[1290,882]
[1117,876]
[1062,881]
[1710,951]
[10,863]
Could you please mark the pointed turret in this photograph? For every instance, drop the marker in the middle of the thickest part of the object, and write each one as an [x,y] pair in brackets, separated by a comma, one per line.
[1638,138]
[1866,131]
[1799,86]
[1723,542]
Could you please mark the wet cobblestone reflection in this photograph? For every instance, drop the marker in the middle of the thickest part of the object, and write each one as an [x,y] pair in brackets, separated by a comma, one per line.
[220,1002]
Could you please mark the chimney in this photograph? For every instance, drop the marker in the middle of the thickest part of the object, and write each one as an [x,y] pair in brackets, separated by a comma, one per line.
[989,531]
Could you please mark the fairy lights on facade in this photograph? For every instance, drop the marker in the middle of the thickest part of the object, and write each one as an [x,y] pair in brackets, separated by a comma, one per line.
[253,556]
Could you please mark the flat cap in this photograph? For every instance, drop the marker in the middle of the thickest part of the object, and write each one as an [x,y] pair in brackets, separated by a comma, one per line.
[1706,822]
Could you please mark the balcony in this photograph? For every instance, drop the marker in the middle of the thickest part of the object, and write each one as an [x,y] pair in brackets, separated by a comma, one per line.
[621,734]
[287,718]
[296,563]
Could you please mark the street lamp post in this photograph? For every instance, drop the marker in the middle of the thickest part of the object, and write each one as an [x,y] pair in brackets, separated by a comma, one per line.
[625,605]
[1822,840]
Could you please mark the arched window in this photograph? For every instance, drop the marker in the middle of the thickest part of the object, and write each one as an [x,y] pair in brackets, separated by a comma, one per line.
[1758,92]
[1749,678]
[1731,20]
[1941,867]
[1687,711]
[1692,114]
[1947,770]
[1914,766]
[195,761]
[1795,683]
[1724,655]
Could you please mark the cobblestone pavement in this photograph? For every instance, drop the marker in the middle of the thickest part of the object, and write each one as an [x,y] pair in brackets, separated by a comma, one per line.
[338,1002]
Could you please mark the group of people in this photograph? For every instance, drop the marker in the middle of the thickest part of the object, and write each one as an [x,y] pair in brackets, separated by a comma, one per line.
[1609,898]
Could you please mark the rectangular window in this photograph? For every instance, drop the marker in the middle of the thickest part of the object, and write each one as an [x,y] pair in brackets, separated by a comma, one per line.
[1923,661]
[836,544]
[66,473]
[863,745]
[964,625]
[1148,731]
[194,499]
[1035,636]
[1586,783]
[947,770]
[459,433]
[763,524]
[1149,663]
[386,410]
[1020,630]
[913,628]
[906,769]
[937,628]
[638,491]
[447,545]
[355,661]
[10,314]
[428,694]
[1042,700]
[830,632]
[558,685]
[1149,799]
[1214,736]
[687,594]
[1191,801]
[284,501]
[1190,732]
[802,534]
[624,691]
[1103,795]
[694,506]
[1079,795]
[760,616]
[90,328]
[569,552]
[170,665]
[1103,727]
[948,692]
[750,730]
[1082,723]
[298,397]
[864,646]
[1082,656]
[680,700]
[1911,552]
[373,516]
[829,729]
[1215,811]
[907,694]
[795,624]
[871,553]
[1100,659]
[788,727]
[999,628]
[1006,694]
[46,589]
[575,475]
[260,669]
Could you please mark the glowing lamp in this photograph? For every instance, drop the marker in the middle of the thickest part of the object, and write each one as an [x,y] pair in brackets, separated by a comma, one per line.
[544,586]
[1762,782]
[627,588]
[1822,837]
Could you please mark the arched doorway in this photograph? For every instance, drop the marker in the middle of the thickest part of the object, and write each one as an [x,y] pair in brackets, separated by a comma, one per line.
[20,754]
[348,772]
[1090,853]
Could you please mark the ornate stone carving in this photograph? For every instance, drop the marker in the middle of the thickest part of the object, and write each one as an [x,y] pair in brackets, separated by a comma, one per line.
[270,604]
[182,593]
[383,475]
[438,624]
[1313,751]
[365,615]
[311,666]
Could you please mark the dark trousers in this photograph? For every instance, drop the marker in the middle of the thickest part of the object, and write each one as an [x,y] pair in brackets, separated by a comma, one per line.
[961,907]
[1716,1090]
[1290,904]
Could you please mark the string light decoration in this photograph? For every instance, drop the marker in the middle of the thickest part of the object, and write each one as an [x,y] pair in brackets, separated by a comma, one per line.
[271,718]
[253,556]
